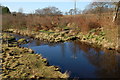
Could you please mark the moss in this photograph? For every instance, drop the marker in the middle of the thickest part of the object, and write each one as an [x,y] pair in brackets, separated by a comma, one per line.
[20,63]
[22,40]
[7,37]
[102,33]
[94,36]
[93,30]
[66,28]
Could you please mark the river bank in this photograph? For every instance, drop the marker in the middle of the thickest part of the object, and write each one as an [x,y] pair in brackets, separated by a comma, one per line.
[95,37]
[79,59]
[20,62]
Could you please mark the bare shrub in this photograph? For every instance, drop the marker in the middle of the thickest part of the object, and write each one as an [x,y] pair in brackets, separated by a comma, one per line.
[83,22]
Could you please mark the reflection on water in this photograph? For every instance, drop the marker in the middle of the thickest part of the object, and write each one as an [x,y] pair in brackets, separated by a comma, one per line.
[106,61]
[79,59]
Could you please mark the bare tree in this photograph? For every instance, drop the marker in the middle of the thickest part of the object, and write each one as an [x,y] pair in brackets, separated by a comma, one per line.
[116,12]
[99,7]
[116,19]
[48,11]
[71,11]
[20,10]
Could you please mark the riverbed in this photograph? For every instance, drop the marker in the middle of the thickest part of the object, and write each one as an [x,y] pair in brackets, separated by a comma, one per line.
[79,59]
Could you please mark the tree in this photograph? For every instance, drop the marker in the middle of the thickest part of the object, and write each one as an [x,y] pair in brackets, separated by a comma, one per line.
[66,13]
[39,11]
[71,11]
[5,10]
[116,18]
[74,11]
[48,11]
[116,11]
[20,10]
[78,11]
[99,7]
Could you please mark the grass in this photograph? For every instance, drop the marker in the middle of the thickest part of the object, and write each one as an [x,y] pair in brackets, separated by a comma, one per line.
[111,33]
[22,63]
[44,31]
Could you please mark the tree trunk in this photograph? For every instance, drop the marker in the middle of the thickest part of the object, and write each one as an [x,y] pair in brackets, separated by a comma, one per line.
[118,43]
[116,12]
[116,20]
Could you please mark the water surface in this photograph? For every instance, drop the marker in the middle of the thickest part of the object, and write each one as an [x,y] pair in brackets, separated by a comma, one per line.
[79,59]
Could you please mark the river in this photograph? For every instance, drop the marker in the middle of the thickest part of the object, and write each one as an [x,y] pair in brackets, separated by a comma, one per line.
[79,59]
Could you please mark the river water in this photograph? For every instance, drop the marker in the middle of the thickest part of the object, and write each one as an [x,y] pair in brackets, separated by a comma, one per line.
[79,59]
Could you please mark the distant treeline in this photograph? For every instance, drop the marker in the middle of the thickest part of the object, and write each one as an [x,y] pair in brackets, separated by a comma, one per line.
[95,15]
[92,8]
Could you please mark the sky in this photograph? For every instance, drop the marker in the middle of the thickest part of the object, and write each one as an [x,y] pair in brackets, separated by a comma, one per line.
[30,7]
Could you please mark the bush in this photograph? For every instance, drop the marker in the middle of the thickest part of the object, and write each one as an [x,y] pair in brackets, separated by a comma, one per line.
[84,23]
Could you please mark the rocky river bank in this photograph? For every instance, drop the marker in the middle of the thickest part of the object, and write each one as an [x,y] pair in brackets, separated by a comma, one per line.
[19,62]
[95,37]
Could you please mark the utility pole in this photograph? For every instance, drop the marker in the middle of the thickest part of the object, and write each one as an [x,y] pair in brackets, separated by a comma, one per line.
[75,7]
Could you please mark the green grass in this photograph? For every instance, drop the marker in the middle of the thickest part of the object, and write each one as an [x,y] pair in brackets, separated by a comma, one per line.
[49,32]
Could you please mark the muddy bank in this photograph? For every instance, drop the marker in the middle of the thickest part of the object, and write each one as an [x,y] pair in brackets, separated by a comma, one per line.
[19,62]
[95,37]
